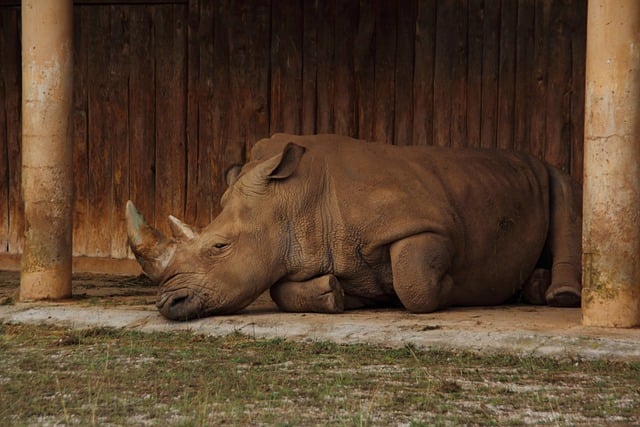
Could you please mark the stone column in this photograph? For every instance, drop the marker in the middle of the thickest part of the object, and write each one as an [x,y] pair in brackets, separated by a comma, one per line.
[47,156]
[611,225]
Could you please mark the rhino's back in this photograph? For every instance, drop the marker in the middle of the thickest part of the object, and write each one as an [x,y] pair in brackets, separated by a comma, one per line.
[492,204]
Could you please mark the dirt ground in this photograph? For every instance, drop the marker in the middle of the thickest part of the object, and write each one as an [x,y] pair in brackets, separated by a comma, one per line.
[127,301]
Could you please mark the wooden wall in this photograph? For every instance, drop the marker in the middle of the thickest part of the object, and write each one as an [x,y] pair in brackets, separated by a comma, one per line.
[170,94]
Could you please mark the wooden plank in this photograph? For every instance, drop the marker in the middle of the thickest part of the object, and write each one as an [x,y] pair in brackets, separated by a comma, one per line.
[250,61]
[194,44]
[201,191]
[385,65]
[248,64]
[524,74]
[424,71]
[286,66]
[129,2]
[507,71]
[4,172]
[5,16]
[80,132]
[443,81]
[403,122]
[231,139]
[259,86]
[100,122]
[458,76]
[170,104]
[558,129]
[578,55]
[325,120]
[4,154]
[12,79]
[364,69]
[221,102]
[105,2]
[310,28]
[475,48]
[539,94]
[142,118]
[346,23]
[119,126]
[490,67]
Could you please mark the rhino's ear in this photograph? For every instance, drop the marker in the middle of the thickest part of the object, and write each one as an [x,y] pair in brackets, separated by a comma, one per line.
[288,162]
[232,175]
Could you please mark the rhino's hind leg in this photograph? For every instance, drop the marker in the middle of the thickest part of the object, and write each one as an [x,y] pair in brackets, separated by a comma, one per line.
[322,294]
[564,241]
[420,266]
[565,288]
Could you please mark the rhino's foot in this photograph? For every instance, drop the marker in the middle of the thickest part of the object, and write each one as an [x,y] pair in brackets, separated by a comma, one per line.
[534,289]
[565,289]
[563,296]
[332,300]
[322,294]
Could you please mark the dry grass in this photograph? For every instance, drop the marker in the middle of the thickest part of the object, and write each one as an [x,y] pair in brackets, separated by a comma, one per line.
[56,376]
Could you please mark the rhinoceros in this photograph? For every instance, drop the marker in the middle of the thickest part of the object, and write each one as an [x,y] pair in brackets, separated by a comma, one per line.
[329,223]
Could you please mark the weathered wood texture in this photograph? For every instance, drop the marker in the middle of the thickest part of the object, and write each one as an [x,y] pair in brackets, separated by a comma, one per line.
[169,95]
[11,204]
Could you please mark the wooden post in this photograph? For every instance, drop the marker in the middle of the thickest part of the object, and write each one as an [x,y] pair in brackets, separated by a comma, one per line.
[611,227]
[47,178]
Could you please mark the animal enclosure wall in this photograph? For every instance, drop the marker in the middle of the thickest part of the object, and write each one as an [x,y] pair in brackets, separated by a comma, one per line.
[170,94]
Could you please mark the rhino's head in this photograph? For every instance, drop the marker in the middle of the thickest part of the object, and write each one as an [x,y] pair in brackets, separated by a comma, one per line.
[227,265]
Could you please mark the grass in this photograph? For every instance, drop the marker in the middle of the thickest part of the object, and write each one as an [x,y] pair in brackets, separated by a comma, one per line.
[57,376]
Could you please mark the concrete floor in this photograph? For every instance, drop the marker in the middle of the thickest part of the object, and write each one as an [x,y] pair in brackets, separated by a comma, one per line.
[127,302]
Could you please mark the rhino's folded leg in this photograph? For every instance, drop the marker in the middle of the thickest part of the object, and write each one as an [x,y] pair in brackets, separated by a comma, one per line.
[322,294]
[420,266]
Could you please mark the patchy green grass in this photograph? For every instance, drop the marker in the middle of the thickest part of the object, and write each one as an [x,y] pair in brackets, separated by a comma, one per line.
[56,376]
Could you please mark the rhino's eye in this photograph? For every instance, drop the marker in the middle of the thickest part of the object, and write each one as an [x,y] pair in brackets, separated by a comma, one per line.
[214,250]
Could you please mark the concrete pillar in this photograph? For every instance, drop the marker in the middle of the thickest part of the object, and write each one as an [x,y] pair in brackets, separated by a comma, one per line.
[47,156]
[611,227]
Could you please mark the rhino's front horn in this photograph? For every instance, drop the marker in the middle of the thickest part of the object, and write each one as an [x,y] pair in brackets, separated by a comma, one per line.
[151,248]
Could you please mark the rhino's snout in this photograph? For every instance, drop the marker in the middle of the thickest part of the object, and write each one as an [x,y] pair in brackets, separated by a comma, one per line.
[182,304]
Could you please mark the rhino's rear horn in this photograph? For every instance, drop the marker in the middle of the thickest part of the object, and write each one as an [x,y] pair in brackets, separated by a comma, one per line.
[151,248]
[181,231]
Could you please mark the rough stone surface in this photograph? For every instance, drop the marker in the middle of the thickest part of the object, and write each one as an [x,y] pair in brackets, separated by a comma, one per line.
[125,302]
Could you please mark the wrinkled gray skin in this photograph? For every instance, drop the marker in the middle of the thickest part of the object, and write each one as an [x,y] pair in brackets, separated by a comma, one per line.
[328,223]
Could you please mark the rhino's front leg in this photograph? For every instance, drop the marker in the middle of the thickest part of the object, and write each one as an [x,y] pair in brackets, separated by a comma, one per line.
[319,295]
[420,264]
